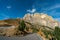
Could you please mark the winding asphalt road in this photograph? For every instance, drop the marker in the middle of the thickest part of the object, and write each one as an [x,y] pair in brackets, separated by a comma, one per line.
[28,37]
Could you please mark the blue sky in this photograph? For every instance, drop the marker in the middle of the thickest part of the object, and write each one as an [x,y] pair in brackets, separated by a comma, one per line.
[18,8]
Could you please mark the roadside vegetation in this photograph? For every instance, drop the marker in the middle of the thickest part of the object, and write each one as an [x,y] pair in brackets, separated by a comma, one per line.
[25,30]
[54,35]
[21,26]
[50,35]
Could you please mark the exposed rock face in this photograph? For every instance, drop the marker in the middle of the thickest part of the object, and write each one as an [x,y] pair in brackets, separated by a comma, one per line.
[41,19]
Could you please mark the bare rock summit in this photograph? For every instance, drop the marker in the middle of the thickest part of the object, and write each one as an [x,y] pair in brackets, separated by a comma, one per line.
[41,19]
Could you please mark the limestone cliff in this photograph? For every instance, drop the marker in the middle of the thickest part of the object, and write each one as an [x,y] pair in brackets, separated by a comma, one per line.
[41,19]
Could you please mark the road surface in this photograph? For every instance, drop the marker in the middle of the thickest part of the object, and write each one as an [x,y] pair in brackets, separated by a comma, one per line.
[28,37]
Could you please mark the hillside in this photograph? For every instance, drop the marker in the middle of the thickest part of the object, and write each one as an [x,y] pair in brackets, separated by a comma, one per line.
[39,23]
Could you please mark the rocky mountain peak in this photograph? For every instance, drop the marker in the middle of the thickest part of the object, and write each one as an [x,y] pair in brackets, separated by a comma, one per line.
[41,19]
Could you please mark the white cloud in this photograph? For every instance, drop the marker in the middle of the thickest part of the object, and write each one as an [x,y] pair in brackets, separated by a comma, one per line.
[5,16]
[8,7]
[52,7]
[58,19]
[18,17]
[31,11]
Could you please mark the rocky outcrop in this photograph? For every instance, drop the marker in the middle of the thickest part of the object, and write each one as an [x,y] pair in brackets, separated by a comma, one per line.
[41,19]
